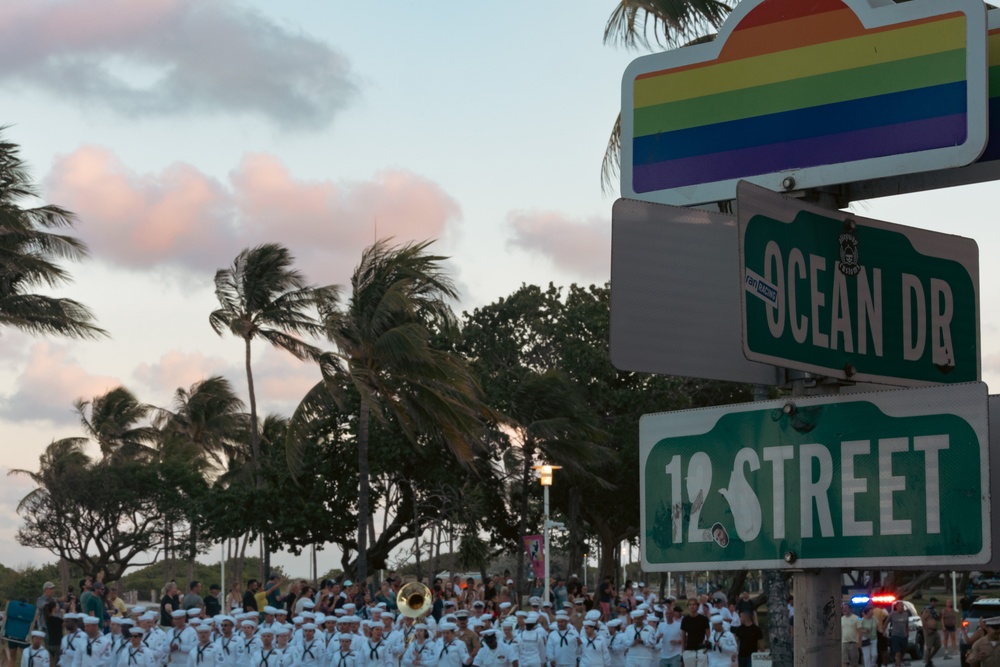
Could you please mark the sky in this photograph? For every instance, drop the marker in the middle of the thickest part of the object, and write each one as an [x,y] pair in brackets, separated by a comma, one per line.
[183,131]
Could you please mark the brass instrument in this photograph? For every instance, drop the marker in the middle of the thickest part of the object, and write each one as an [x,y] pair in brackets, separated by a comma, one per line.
[414,600]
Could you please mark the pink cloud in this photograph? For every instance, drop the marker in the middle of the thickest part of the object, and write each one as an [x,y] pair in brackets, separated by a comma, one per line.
[177,369]
[182,217]
[582,246]
[48,385]
[281,381]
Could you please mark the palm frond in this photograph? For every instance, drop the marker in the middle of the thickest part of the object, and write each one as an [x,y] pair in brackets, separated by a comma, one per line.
[663,23]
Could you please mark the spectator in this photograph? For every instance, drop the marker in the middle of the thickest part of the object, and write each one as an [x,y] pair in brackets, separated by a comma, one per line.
[750,638]
[52,626]
[169,603]
[48,588]
[116,606]
[193,599]
[234,600]
[272,592]
[250,597]
[213,606]
[94,605]
[605,595]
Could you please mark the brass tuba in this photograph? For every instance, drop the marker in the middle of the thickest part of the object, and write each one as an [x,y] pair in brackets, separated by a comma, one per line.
[414,600]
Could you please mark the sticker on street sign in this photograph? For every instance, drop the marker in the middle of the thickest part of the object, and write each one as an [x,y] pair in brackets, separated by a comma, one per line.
[854,298]
[884,479]
[675,294]
[807,94]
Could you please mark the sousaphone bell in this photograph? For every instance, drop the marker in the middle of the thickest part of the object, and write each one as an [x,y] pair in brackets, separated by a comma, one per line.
[414,600]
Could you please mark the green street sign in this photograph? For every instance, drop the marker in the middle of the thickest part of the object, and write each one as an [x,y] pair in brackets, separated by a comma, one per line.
[854,298]
[889,478]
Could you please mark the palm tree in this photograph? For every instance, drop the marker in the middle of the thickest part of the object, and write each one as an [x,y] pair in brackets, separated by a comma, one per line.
[670,23]
[113,419]
[385,349]
[29,251]
[262,296]
[206,424]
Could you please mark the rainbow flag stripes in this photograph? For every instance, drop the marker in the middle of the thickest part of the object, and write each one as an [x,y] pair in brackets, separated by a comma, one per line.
[797,85]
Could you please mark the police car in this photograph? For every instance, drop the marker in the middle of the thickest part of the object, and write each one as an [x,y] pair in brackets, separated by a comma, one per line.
[915,638]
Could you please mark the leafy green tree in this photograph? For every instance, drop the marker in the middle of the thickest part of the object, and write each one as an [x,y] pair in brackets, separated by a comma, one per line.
[205,425]
[261,295]
[31,246]
[385,352]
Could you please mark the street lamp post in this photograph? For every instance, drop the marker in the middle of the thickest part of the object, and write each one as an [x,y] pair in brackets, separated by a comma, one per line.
[545,477]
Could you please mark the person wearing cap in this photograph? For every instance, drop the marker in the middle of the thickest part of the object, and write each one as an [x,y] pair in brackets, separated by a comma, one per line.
[35,655]
[95,649]
[376,652]
[309,651]
[153,638]
[265,655]
[204,653]
[452,652]
[48,590]
[694,632]
[71,640]
[531,642]
[344,655]
[227,644]
[490,654]
[640,639]
[593,648]
[617,648]
[466,635]
[931,619]
[249,641]
[420,650]
[136,654]
[562,643]
[119,639]
[180,640]
[719,607]
[986,651]
[722,646]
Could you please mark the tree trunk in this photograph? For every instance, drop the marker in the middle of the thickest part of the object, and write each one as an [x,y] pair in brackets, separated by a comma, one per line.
[739,582]
[63,574]
[779,631]
[255,455]
[363,474]
[437,549]
[574,556]
[522,530]
[416,544]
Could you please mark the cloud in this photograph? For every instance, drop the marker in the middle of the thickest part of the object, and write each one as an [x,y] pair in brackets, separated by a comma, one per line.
[177,369]
[582,246]
[159,57]
[281,381]
[184,218]
[48,385]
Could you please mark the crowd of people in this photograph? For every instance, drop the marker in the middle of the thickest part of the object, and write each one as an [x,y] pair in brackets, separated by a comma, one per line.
[340,624]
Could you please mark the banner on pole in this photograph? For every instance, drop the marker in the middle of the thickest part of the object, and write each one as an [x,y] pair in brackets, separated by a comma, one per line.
[535,544]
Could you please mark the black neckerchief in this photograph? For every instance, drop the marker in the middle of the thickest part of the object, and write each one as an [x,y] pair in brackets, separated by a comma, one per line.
[373,650]
[131,656]
[307,650]
[562,638]
[263,658]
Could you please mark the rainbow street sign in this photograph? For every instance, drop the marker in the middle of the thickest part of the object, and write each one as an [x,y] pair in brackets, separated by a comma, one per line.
[797,95]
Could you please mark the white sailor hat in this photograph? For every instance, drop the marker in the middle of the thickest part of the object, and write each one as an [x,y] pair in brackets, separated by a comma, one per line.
[488,633]
[562,616]
[640,598]
[449,603]
[298,620]
[653,618]
[716,618]
[345,637]
[614,623]
[534,601]
[247,623]
[267,631]
[203,627]
[127,621]
[478,604]
[193,612]
[270,610]
[71,616]
[381,605]
[350,606]
[37,633]
[461,613]
[319,619]
[521,614]
[223,618]
[340,611]
[91,620]
[137,632]
[347,583]
[307,614]
[531,618]
[505,605]
[642,584]
[139,609]
[285,629]
[342,619]
[644,607]
[280,612]
[308,604]
[309,626]
[637,613]
[149,616]
[593,615]
[419,626]
[116,620]
[509,623]
[590,624]
[446,627]
[567,604]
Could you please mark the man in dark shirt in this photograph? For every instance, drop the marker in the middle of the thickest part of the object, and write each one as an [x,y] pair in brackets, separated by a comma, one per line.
[745,604]
[694,633]
[249,599]
[213,606]
[750,637]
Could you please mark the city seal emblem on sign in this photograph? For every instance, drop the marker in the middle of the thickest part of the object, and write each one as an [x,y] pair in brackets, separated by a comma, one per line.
[849,254]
